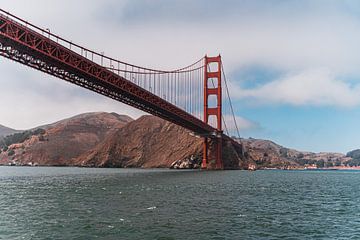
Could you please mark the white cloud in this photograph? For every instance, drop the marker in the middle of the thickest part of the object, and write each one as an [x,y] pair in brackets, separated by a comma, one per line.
[242,123]
[312,87]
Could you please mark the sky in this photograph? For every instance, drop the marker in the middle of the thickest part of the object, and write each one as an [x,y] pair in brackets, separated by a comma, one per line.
[293,66]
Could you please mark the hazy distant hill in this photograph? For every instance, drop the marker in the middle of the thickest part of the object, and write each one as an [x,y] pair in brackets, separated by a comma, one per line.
[6,131]
[354,154]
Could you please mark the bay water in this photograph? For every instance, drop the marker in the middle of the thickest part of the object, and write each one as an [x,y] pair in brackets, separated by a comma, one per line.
[90,203]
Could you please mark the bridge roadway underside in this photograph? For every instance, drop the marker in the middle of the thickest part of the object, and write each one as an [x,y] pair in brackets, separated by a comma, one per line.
[119,88]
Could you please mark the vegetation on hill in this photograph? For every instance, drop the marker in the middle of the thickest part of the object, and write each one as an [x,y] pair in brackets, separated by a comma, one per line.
[19,138]
[4,131]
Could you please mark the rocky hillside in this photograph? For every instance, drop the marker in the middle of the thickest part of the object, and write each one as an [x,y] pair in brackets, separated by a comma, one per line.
[61,142]
[145,142]
[150,142]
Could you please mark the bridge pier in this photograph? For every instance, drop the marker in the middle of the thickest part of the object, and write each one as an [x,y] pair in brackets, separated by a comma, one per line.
[212,153]
[219,160]
[211,88]
[205,154]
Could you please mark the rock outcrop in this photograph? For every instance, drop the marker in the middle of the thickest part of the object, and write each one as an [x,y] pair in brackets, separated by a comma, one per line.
[188,163]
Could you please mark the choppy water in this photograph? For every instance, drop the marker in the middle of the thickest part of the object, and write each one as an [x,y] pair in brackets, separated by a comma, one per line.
[79,203]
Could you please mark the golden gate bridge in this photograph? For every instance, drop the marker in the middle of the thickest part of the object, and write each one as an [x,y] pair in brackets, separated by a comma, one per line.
[191,97]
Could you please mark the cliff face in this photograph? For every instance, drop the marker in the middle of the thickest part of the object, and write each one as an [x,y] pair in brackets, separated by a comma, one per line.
[65,140]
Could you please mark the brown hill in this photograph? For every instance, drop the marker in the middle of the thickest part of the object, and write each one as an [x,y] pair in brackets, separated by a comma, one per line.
[150,142]
[145,142]
[65,140]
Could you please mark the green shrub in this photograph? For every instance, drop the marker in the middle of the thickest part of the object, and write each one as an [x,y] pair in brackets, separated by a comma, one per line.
[20,137]
[11,153]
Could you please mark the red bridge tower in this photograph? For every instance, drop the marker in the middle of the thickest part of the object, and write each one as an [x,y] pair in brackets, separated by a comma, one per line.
[209,89]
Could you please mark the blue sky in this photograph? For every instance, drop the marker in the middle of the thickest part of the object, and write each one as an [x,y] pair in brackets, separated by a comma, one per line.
[293,66]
